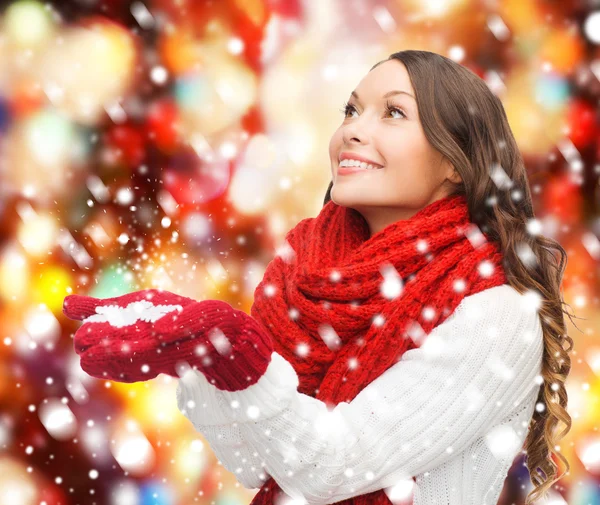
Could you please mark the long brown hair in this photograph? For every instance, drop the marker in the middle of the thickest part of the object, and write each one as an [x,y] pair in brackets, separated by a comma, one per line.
[467,123]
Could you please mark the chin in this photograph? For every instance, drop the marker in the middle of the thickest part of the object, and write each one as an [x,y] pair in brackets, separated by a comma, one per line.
[348,199]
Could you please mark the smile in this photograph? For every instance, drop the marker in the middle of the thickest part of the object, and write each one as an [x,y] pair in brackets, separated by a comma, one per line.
[346,170]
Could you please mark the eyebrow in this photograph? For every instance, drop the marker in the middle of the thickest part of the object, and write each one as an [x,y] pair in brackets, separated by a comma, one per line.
[388,94]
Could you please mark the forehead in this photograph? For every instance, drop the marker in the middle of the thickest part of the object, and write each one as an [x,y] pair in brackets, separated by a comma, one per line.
[387,76]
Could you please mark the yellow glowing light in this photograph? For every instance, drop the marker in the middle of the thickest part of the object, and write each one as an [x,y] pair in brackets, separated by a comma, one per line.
[520,15]
[418,9]
[179,50]
[85,92]
[261,152]
[563,49]
[37,234]
[121,52]
[217,96]
[178,271]
[16,483]
[27,23]
[191,457]
[14,274]
[51,286]
[143,397]
[254,9]
[38,153]
[592,401]
[536,128]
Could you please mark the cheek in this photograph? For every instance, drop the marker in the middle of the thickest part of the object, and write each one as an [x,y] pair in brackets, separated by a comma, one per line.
[409,153]
[335,143]
[408,164]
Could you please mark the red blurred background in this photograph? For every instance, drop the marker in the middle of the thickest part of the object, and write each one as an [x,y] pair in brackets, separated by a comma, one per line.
[173,143]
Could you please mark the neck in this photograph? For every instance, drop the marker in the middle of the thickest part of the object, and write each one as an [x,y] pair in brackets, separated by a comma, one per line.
[379,217]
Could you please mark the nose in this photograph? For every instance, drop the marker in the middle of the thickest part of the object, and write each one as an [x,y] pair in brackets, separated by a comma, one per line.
[354,132]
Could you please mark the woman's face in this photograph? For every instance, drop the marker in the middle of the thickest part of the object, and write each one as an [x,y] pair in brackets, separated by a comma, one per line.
[412,174]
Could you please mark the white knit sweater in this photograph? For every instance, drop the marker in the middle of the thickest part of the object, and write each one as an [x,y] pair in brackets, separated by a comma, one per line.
[453,413]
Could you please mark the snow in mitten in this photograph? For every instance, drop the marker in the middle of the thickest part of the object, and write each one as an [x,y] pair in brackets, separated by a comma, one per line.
[117,333]
[135,337]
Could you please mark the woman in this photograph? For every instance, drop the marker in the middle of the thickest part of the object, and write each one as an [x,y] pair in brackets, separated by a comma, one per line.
[412,330]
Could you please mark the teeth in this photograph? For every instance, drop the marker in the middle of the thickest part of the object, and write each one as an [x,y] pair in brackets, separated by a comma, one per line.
[356,163]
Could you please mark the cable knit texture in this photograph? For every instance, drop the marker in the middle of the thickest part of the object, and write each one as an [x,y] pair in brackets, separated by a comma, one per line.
[136,336]
[342,307]
[452,413]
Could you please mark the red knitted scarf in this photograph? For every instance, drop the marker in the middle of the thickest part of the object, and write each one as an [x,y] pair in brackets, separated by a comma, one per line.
[343,306]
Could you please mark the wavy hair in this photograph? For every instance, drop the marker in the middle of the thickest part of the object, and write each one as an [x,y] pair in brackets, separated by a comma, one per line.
[466,122]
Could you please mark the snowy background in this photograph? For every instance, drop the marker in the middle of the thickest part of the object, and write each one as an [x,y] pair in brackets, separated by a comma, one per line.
[173,143]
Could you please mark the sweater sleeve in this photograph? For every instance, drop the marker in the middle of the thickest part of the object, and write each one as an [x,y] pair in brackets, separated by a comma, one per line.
[469,373]
[235,454]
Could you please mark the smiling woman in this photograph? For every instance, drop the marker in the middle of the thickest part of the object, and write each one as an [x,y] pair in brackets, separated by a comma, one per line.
[443,370]
[437,129]
[381,126]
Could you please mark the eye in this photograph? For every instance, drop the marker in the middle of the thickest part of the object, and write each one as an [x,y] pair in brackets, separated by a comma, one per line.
[388,107]
[392,108]
[347,108]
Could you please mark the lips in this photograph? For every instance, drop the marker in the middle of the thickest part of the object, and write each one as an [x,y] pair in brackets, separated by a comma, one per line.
[353,170]
[347,155]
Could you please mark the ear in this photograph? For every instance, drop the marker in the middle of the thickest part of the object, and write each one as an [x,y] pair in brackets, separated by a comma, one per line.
[451,173]
[455,177]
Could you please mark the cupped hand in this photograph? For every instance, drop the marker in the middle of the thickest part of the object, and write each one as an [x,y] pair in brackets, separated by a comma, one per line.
[118,339]
[227,345]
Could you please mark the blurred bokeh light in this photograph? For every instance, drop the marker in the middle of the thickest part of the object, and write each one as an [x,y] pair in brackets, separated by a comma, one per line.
[172,144]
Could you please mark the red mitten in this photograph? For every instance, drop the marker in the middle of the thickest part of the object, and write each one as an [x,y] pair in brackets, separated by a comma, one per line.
[117,336]
[135,337]
[227,345]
